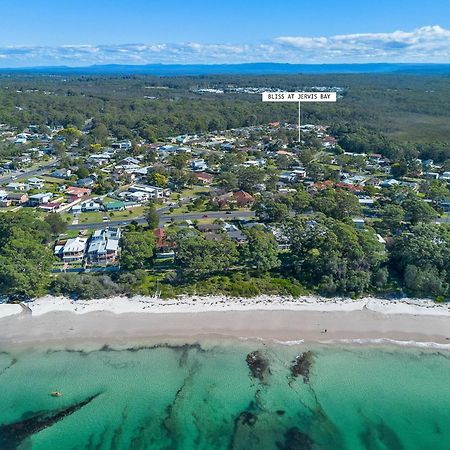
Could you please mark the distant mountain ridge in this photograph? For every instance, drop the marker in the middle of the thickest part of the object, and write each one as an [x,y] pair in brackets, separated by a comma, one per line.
[237,69]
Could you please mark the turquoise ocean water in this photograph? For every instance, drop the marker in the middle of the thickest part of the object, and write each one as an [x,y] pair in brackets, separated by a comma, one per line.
[225,396]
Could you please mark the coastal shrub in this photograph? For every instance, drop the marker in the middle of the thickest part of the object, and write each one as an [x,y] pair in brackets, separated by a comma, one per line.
[241,285]
[85,286]
[424,282]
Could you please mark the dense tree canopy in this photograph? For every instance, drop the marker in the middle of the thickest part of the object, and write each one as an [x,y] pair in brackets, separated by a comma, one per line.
[198,257]
[25,257]
[333,255]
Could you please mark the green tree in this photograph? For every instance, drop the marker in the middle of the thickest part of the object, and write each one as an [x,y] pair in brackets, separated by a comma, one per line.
[269,209]
[137,250]
[261,250]
[336,203]
[333,256]
[158,179]
[151,216]
[421,258]
[417,210]
[100,133]
[228,181]
[198,257]
[301,201]
[392,216]
[249,177]
[56,223]
[82,172]
[25,266]
[179,160]
[425,282]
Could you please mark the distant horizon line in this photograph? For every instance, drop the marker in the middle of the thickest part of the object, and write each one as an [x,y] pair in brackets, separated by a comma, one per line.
[250,68]
[256,63]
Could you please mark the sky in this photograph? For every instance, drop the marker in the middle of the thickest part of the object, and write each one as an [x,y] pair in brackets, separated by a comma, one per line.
[80,32]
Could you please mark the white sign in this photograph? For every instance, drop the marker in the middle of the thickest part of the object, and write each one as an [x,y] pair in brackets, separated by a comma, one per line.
[299,96]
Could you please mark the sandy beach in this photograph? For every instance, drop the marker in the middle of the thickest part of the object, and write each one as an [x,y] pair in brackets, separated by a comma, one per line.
[309,319]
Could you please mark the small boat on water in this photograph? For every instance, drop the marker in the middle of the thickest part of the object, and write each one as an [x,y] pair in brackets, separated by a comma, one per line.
[56,394]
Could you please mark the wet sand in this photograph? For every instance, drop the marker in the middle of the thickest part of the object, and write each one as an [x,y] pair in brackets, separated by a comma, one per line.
[359,326]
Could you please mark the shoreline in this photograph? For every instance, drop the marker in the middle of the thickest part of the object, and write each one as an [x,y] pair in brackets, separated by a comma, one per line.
[56,321]
[197,304]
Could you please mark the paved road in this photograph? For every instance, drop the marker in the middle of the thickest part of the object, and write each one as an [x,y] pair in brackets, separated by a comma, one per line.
[28,173]
[164,218]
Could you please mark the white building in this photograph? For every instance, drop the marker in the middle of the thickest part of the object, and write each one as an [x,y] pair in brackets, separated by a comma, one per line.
[72,250]
[104,246]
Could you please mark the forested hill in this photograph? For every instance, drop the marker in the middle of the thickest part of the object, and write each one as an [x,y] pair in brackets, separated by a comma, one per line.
[404,107]
[250,68]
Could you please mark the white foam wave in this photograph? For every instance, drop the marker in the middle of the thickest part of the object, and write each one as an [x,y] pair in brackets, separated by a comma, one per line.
[381,341]
[290,343]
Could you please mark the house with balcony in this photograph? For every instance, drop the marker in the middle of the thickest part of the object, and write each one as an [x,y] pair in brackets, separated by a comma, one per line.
[104,247]
[71,251]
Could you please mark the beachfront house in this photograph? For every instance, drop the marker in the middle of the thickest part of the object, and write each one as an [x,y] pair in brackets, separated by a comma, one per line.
[104,246]
[71,251]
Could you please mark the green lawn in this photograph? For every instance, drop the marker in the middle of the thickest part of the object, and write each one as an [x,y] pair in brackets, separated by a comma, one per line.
[52,180]
[94,217]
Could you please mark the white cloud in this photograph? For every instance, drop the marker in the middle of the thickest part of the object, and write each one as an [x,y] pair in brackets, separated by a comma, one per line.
[426,44]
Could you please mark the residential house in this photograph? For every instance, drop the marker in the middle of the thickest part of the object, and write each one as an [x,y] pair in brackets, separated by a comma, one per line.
[18,198]
[288,177]
[78,192]
[4,202]
[431,175]
[359,223]
[104,246]
[445,205]
[236,234]
[254,163]
[61,173]
[164,246]
[17,186]
[209,227]
[85,182]
[239,198]
[39,199]
[98,159]
[203,178]
[114,206]
[227,147]
[72,250]
[389,183]
[128,160]
[23,160]
[35,183]
[136,197]
[124,145]
[300,173]
[153,192]
[243,199]
[199,165]
[329,142]
[90,206]
[445,177]
[166,149]
[50,207]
